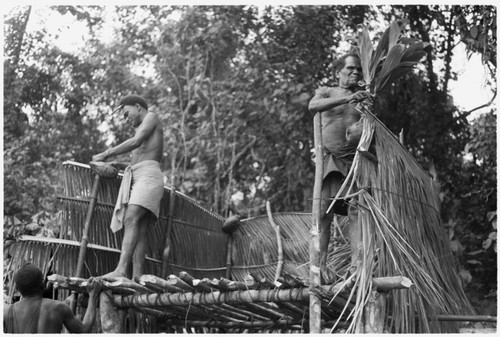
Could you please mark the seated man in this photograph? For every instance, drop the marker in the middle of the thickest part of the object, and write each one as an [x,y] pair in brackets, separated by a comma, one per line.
[34,314]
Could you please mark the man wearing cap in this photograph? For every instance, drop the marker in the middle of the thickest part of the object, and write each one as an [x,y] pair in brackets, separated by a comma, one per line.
[34,314]
[141,190]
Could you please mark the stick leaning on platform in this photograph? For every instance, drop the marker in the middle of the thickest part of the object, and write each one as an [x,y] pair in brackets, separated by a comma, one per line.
[107,171]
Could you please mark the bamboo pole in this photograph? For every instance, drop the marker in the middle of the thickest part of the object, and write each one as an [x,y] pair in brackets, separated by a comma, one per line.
[283,323]
[264,309]
[170,222]
[234,297]
[250,314]
[229,227]
[278,239]
[80,284]
[85,239]
[466,318]
[314,251]
[230,242]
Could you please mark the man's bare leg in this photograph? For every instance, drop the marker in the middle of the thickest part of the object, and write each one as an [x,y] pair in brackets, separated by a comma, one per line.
[139,256]
[132,222]
[331,185]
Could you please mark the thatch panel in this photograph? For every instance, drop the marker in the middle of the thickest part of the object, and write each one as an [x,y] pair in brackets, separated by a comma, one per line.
[255,243]
[78,180]
[74,214]
[56,256]
[197,247]
[197,239]
[189,211]
[256,248]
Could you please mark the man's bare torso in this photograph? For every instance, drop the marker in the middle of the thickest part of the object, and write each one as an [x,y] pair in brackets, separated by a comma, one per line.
[49,320]
[337,120]
[152,147]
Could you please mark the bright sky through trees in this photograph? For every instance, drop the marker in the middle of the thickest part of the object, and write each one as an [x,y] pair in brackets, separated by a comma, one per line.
[468,91]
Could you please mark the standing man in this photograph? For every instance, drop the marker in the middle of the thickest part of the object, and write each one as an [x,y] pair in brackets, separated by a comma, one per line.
[341,131]
[141,190]
[34,314]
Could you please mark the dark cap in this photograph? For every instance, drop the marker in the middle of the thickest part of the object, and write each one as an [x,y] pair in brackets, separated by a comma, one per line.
[29,279]
[131,100]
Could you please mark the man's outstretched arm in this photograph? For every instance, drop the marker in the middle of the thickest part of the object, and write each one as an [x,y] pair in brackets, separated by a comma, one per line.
[321,103]
[143,132]
[72,323]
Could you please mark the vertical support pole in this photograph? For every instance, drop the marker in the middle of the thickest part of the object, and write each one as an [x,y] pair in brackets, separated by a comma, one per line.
[85,239]
[374,312]
[229,257]
[314,250]
[170,223]
[279,268]
[229,227]
[111,317]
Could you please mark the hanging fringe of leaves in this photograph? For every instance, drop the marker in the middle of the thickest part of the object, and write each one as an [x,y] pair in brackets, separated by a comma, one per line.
[402,234]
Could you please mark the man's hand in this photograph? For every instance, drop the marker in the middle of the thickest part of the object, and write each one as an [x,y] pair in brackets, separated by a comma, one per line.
[99,157]
[94,287]
[359,96]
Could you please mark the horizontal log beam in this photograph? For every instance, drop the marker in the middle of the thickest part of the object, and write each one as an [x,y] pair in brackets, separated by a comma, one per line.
[290,324]
[175,285]
[234,297]
[281,323]
[392,283]
[465,318]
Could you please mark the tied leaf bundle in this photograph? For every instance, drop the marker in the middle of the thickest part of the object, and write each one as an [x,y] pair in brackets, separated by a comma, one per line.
[394,56]
[104,170]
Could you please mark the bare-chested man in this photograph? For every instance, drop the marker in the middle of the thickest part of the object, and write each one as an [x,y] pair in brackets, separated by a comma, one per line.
[341,132]
[34,314]
[138,203]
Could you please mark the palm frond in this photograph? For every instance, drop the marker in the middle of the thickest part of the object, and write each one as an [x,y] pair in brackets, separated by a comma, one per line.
[394,56]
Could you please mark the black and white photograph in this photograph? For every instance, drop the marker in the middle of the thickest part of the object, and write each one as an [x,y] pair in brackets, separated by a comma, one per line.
[236,168]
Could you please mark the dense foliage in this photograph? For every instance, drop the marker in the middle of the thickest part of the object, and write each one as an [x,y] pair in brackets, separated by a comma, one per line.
[232,85]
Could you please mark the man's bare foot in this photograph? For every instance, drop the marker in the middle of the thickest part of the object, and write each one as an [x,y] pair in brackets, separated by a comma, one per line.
[113,276]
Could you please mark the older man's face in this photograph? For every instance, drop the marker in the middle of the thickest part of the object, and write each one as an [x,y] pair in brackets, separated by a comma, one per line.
[351,73]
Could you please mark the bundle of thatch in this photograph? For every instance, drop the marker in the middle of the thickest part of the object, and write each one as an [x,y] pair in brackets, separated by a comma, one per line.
[402,234]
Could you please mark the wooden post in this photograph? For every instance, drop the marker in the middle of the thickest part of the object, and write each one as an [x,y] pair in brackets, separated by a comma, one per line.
[229,255]
[111,317]
[229,227]
[278,238]
[314,250]
[374,313]
[170,223]
[85,239]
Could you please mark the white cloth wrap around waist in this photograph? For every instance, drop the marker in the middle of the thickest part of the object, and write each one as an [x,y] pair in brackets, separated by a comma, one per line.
[142,184]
